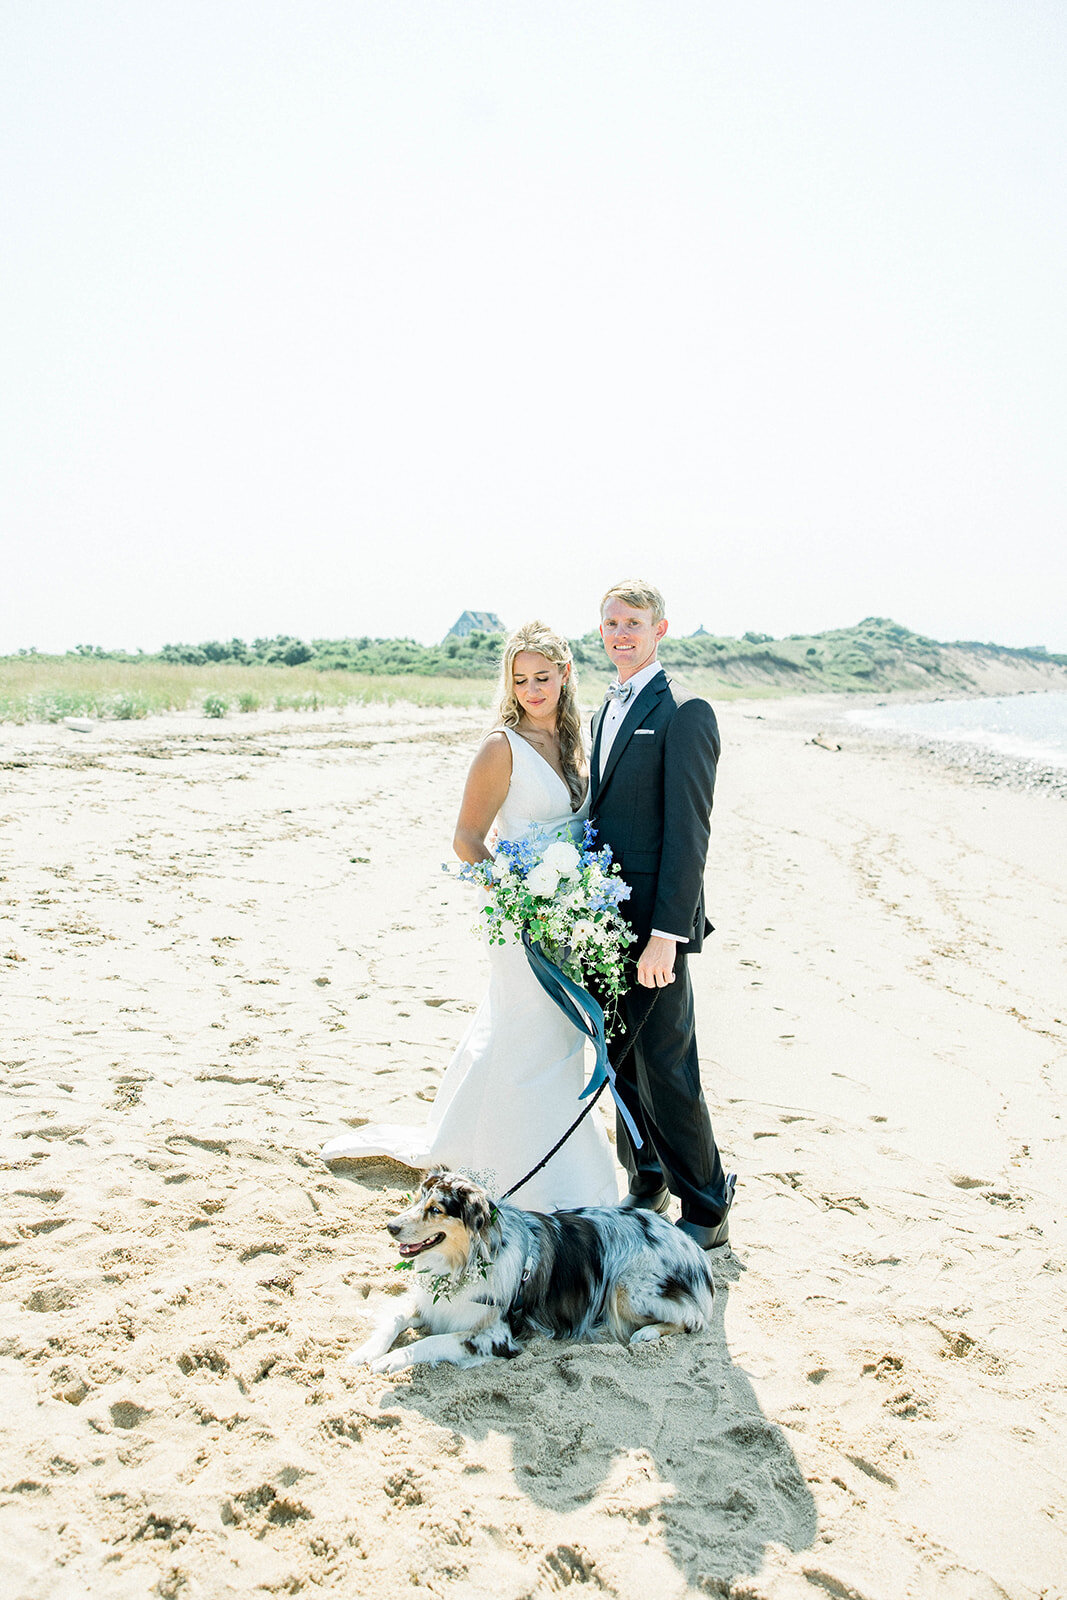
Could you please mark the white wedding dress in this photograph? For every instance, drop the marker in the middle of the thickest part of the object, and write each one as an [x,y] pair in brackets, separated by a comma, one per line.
[512,1087]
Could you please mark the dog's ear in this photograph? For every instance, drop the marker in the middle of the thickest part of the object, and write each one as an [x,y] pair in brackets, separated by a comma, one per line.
[477,1212]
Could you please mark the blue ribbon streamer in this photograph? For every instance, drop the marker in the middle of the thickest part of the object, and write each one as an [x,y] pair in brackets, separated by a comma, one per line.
[587,1015]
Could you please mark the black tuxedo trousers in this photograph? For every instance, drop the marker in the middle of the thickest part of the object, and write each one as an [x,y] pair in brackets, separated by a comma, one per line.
[660,1083]
[652,805]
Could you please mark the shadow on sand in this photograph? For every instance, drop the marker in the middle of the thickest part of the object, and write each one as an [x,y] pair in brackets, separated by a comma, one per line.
[668,1436]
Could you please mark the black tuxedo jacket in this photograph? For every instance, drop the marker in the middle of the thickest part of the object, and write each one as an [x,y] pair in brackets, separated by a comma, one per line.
[653,807]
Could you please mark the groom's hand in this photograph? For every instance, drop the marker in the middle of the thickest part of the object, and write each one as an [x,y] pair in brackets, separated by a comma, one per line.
[655,964]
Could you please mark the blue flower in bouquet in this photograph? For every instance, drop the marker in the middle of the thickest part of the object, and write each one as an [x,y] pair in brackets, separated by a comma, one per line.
[522,854]
[566,896]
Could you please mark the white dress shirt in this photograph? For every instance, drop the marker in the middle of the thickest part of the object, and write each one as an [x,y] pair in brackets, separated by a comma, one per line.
[614,716]
[618,710]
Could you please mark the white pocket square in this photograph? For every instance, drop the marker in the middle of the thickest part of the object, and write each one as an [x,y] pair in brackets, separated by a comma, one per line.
[643,730]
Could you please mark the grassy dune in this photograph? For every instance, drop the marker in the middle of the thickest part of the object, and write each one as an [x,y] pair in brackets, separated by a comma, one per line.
[46,689]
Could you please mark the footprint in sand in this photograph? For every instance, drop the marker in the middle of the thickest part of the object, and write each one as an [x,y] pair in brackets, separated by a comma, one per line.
[869,1470]
[257,1510]
[53,1130]
[961,1346]
[67,1383]
[568,1564]
[43,1225]
[52,1297]
[203,1357]
[128,1414]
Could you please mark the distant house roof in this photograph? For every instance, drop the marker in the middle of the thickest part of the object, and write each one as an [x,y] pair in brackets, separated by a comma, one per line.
[475,622]
[699,633]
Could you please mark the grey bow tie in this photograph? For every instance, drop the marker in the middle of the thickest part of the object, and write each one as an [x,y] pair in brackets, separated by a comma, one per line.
[621,691]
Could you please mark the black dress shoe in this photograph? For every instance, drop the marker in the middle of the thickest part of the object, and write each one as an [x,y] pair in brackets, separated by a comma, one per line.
[711,1238]
[658,1200]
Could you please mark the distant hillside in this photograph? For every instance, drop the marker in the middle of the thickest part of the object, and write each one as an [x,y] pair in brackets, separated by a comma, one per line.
[875,656]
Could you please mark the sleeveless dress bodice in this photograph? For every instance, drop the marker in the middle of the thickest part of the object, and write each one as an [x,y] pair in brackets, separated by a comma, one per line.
[537,796]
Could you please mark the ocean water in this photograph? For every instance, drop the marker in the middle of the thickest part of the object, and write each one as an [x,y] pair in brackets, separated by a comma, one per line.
[1027,727]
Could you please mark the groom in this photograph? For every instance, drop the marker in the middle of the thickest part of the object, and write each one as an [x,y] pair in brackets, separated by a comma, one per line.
[655,748]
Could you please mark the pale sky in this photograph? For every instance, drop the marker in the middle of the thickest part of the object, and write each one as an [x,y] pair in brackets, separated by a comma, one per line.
[333,317]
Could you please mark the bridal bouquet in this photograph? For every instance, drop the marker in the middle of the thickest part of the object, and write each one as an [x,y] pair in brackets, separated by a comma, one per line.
[566,897]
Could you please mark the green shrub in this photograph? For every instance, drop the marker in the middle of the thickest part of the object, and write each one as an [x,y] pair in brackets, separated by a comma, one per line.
[215,705]
[129,707]
[299,702]
[247,701]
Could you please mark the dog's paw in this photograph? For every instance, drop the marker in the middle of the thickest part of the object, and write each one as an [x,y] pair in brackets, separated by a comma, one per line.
[392,1361]
[647,1334]
[365,1356]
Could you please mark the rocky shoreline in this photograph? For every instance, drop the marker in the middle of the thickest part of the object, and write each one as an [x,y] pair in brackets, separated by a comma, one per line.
[973,763]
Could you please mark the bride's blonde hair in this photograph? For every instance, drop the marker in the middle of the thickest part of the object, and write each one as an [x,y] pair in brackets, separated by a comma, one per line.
[546,642]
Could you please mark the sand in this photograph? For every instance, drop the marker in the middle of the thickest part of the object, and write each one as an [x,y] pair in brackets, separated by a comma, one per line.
[219,941]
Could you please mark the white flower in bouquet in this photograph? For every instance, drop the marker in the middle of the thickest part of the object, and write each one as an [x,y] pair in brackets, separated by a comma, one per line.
[562,858]
[542,880]
[566,899]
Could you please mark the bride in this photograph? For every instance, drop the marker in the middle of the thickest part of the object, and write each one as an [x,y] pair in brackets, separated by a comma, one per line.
[512,1087]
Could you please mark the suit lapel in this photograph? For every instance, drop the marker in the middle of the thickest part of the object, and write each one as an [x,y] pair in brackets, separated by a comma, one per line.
[648,697]
[594,757]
